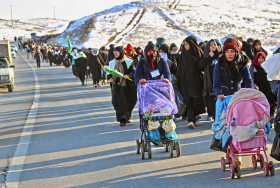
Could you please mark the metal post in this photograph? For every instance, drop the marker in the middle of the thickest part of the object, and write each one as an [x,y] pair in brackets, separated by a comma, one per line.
[54,12]
[11,12]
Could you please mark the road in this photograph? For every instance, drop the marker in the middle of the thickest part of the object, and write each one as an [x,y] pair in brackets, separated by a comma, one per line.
[76,142]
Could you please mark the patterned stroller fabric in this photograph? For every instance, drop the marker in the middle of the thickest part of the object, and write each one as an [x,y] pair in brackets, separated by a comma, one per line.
[155,95]
[251,110]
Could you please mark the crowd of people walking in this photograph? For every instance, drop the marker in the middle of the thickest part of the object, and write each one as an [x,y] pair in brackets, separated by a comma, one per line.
[204,72]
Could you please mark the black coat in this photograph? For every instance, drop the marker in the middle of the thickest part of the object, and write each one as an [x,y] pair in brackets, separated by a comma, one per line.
[259,77]
[190,80]
[124,98]
[95,67]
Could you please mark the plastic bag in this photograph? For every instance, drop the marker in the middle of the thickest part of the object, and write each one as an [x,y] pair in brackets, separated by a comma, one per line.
[272,67]
[275,150]
[169,125]
[155,95]
[171,135]
[153,125]
[180,104]
[155,136]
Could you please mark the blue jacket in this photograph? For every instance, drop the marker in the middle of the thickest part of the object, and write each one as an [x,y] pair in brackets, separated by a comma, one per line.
[228,86]
[37,56]
[146,74]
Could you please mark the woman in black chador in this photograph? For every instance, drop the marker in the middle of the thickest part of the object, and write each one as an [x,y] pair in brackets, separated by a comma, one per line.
[96,64]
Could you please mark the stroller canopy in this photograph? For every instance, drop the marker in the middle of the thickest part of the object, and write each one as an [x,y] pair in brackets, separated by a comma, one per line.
[251,110]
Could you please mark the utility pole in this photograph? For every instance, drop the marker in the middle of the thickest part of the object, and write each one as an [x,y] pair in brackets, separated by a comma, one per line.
[12,15]
[54,12]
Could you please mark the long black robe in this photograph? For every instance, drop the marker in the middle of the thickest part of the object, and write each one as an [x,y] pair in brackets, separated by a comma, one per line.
[95,67]
[190,80]
[207,65]
[81,64]
[124,98]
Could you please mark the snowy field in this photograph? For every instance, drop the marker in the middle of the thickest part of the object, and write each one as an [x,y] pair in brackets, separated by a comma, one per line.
[141,21]
[42,26]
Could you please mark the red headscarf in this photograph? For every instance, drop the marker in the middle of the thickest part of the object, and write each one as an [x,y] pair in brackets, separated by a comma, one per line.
[129,48]
[255,62]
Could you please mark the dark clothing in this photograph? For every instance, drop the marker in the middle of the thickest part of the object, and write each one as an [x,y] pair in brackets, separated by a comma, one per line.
[50,57]
[81,64]
[38,56]
[111,55]
[190,80]
[223,84]
[259,78]
[95,63]
[38,63]
[247,49]
[124,98]
[146,74]
[208,64]
[254,51]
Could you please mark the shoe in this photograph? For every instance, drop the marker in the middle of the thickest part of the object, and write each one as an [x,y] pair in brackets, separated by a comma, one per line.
[83,84]
[198,117]
[122,123]
[191,125]
[184,118]
[128,121]
[209,118]
[95,85]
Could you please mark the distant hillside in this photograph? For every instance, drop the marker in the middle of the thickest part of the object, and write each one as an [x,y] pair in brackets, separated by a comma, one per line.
[141,21]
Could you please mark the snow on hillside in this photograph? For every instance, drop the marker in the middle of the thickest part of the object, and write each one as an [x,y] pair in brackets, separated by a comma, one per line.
[142,21]
[41,26]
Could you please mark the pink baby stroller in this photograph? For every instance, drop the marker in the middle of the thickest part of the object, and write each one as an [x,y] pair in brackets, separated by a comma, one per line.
[251,110]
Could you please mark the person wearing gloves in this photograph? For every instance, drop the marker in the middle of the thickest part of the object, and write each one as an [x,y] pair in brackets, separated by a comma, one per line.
[95,63]
[124,91]
[81,65]
[231,68]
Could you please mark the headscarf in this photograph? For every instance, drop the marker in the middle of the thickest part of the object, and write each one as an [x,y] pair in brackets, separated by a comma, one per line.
[166,50]
[255,62]
[195,50]
[254,44]
[94,49]
[118,65]
[151,60]
[208,83]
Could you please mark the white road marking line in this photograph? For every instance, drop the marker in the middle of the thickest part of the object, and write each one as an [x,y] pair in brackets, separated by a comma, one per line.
[14,171]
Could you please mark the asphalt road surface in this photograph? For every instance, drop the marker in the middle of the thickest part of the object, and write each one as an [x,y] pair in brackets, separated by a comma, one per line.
[72,139]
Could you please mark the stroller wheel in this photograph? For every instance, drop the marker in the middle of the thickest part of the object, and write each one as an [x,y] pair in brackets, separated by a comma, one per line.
[232,171]
[265,169]
[166,147]
[137,146]
[254,162]
[261,160]
[171,148]
[178,149]
[271,168]
[143,150]
[223,164]
[238,171]
[149,150]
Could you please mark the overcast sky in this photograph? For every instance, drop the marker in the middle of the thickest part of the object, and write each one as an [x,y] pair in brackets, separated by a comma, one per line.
[64,9]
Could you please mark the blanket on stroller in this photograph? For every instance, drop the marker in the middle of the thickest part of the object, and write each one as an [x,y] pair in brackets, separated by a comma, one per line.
[221,131]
